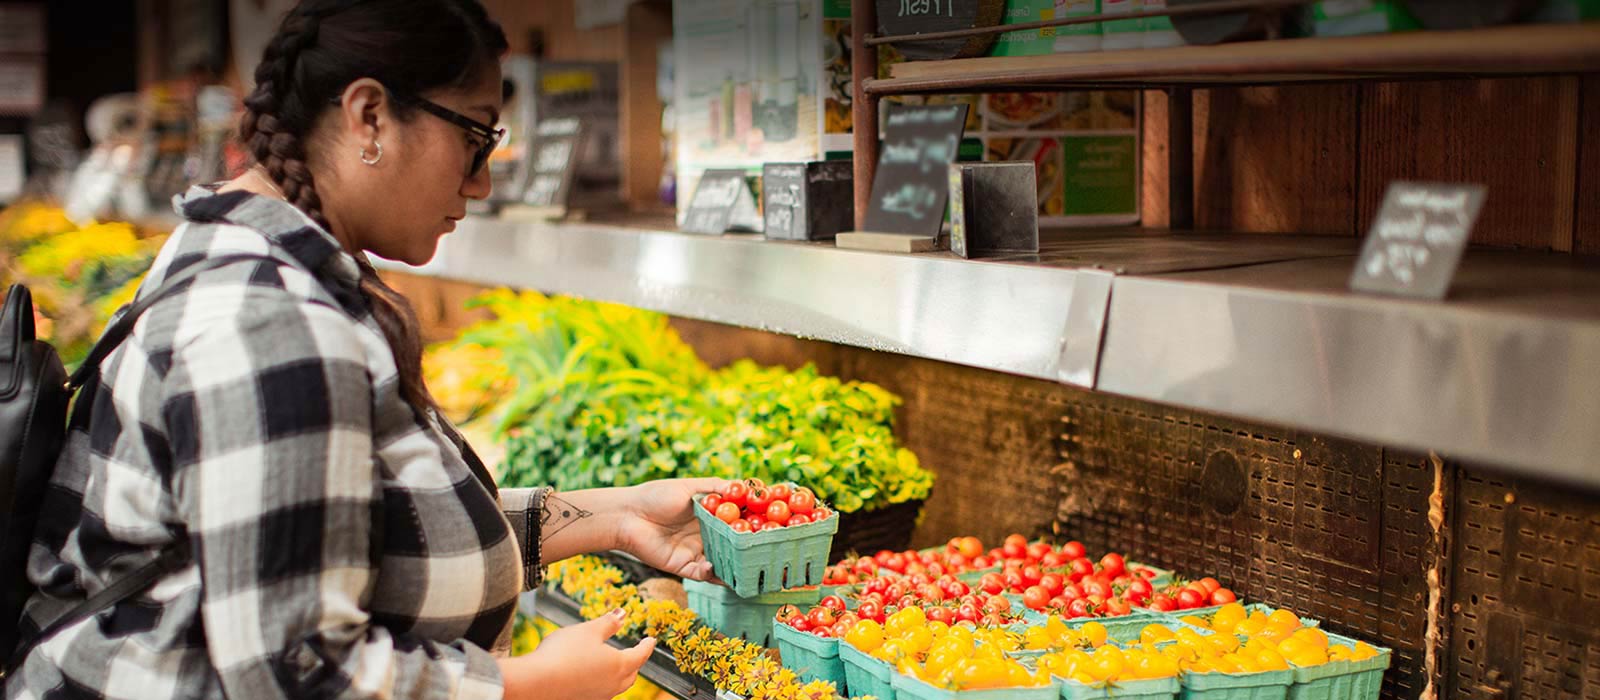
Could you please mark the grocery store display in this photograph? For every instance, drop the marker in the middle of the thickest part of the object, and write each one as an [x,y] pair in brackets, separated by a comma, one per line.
[584,394]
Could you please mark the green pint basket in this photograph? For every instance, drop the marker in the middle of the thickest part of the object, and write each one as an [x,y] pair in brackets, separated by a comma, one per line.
[750,619]
[753,563]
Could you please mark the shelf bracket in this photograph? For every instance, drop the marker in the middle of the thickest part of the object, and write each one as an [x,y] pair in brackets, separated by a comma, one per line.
[1084,334]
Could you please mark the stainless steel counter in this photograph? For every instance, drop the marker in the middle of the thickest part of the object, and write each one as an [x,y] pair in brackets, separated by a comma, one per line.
[1505,371]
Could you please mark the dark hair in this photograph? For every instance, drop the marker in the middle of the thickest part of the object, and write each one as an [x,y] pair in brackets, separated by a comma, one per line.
[411,47]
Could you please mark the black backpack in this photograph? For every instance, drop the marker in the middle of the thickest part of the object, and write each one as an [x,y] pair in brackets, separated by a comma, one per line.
[35,392]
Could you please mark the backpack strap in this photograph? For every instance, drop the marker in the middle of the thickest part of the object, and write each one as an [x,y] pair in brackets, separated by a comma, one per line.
[118,331]
[176,556]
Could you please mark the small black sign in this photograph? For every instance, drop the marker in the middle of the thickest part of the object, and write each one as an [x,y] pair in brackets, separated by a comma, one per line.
[994,208]
[722,202]
[911,185]
[556,144]
[807,201]
[1417,240]
[898,17]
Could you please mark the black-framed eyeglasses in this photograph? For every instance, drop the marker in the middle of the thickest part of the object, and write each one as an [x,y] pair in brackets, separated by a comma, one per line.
[488,135]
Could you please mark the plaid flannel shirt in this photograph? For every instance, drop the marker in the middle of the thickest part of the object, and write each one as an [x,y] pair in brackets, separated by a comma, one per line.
[341,546]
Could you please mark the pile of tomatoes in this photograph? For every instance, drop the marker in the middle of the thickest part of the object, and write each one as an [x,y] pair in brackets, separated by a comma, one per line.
[1203,593]
[752,506]
[828,618]
[944,599]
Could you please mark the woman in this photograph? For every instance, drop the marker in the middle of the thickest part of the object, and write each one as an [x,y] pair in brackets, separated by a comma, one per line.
[272,417]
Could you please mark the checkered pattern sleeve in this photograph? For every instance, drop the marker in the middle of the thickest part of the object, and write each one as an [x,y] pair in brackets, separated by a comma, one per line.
[524,509]
[270,417]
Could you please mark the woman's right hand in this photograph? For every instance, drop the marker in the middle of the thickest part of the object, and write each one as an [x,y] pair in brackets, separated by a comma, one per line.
[576,662]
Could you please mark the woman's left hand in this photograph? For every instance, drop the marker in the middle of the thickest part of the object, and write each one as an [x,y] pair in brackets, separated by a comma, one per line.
[661,529]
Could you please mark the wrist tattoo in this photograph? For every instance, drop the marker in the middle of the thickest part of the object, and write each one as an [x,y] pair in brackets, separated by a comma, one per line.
[556,515]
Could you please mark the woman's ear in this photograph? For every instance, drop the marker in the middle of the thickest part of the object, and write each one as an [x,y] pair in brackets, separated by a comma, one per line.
[364,111]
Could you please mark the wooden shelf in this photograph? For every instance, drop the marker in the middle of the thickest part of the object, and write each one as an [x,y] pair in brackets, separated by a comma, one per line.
[1512,50]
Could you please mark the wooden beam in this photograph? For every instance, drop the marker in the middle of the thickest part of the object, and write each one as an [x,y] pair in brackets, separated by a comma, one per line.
[863,107]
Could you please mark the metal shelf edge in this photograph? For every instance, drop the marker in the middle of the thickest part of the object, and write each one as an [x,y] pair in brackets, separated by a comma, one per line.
[1509,384]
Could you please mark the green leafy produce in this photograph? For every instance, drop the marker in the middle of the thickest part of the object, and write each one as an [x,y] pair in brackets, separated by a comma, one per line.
[607,395]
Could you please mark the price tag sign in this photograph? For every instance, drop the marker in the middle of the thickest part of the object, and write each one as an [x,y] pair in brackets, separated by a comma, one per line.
[1416,242]
[911,185]
[722,202]
[556,145]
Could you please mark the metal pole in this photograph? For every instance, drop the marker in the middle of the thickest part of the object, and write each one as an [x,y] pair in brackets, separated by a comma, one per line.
[863,107]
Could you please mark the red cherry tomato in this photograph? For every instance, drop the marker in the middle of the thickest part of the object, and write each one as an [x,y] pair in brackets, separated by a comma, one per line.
[1036,598]
[1054,560]
[969,613]
[971,547]
[1210,584]
[822,617]
[832,602]
[787,613]
[1072,592]
[1113,565]
[1078,608]
[802,501]
[1059,603]
[1222,596]
[778,511]
[727,512]
[1074,550]
[756,521]
[1094,586]
[1139,591]
[1189,599]
[1052,584]
[801,624]
[754,483]
[823,632]
[1079,568]
[982,562]
[758,499]
[997,604]
[991,583]
[1037,550]
[945,615]
[1012,550]
[1161,602]
[710,502]
[741,525]
[870,610]
[780,492]
[956,589]
[1031,574]
[735,493]
[1116,607]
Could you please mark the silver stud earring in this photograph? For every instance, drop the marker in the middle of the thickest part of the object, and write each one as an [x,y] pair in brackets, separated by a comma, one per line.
[375,158]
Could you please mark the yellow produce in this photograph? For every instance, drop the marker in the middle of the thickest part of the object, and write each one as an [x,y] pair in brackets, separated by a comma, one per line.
[1094,633]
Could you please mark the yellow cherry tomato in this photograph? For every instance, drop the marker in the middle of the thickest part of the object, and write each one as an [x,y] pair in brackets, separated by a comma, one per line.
[865,635]
[1094,633]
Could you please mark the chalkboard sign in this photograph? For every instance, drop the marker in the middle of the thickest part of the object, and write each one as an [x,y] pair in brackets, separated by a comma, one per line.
[1417,240]
[722,202]
[897,17]
[556,144]
[911,185]
[807,201]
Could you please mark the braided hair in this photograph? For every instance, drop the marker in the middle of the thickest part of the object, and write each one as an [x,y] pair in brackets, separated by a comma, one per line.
[320,48]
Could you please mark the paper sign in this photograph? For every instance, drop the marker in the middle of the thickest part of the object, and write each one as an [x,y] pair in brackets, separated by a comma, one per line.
[1416,242]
